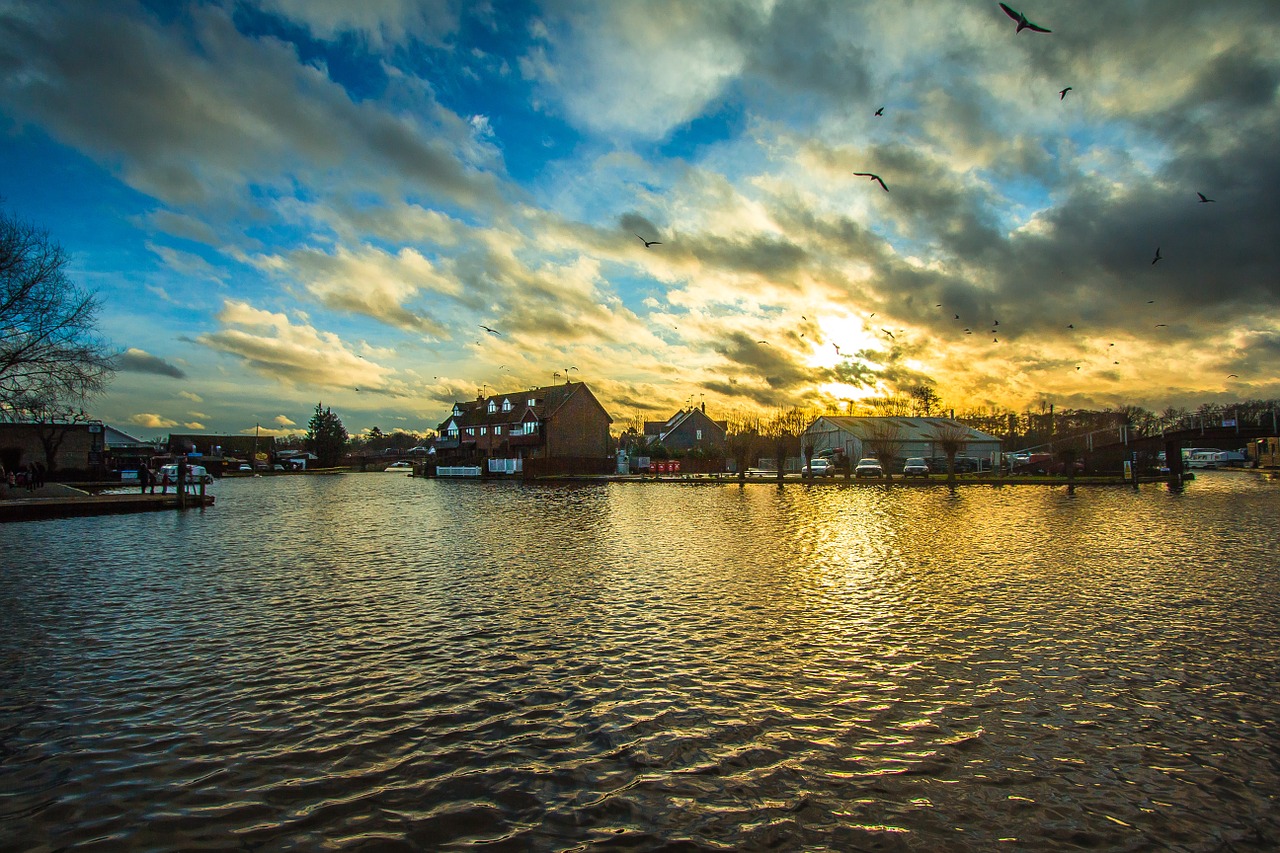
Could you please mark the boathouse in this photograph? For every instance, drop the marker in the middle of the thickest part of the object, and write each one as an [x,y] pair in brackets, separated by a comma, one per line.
[857,437]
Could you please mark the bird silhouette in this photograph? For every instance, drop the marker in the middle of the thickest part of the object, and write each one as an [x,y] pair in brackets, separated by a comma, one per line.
[1071,325]
[880,111]
[889,333]
[1062,96]
[647,243]
[1204,200]
[875,178]
[1232,376]
[1158,256]
[995,322]
[490,331]
[766,343]
[957,317]
[1161,325]
[1023,23]
[837,346]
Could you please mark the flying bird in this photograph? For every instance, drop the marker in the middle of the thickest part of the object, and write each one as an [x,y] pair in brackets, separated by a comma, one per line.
[1158,256]
[880,111]
[837,346]
[1232,376]
[957,317]
[490,331]
[1161,325]
[1071,325]
[766,343]
[647,243]
[1204,200]
[875,178]
[1062,96]
[889,333]
[1023,23]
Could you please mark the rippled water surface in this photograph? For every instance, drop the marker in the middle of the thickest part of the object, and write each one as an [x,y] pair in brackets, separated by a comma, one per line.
[376,662]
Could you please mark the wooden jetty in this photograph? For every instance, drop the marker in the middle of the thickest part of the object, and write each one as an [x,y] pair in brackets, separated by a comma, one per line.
[55,500]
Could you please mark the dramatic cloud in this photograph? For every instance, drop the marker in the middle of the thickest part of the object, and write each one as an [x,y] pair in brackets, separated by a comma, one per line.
[293,199]
[136,361]
[152,421]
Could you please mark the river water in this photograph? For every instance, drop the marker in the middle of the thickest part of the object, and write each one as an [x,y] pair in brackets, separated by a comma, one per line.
[374,662]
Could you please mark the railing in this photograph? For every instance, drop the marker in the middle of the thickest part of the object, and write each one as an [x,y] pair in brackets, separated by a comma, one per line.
[458,471]
[506,466]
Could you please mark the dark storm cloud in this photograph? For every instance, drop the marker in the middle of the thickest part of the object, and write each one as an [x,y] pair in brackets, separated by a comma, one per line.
[192,113]
[782,373]
[137,361]
[804,47]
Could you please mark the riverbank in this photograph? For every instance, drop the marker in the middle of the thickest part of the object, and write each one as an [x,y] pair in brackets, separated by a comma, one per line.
[58,500]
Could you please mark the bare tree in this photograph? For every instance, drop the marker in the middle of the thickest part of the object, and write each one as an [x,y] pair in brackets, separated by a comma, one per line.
[951,437]
[742,436]
[890,405]
[885,438]
[51,358]
[785,429]
[923,401]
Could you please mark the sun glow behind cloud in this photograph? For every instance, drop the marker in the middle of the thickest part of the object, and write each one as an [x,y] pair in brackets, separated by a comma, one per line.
[301,213]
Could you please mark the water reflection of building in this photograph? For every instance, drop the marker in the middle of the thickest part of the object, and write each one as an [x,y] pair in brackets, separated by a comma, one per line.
[554,429]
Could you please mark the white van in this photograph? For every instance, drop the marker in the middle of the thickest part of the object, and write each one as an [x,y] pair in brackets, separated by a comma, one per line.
[195,474]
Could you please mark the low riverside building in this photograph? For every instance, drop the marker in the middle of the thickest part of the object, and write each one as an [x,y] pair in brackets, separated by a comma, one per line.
[64,450]
[688,429]
[549,430]
[857,437]
[214,450]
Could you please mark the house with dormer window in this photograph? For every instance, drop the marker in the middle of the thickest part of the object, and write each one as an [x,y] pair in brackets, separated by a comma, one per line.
[556,422]
[688,429]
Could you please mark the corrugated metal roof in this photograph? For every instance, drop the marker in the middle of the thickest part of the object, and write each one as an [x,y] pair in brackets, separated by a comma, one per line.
[909,429]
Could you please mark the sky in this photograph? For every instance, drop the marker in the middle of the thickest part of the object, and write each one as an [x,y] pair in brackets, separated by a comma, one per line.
[285,203]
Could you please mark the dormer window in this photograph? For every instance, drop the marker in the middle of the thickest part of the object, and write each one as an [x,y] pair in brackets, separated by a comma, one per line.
[456,410]
[532,402]
[493,406]
[506,405]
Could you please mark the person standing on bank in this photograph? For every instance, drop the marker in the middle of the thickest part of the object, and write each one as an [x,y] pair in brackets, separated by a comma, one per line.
[144,480]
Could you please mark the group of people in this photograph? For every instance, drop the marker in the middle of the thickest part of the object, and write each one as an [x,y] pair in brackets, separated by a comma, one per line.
[31,476]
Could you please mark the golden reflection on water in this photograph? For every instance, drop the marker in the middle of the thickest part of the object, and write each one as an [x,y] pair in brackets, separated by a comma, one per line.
[330,660]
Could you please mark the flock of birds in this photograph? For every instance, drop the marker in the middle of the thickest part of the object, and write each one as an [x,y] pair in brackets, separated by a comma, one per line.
[1023,24]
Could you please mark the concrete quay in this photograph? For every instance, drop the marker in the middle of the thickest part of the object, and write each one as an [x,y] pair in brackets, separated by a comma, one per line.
[56,500]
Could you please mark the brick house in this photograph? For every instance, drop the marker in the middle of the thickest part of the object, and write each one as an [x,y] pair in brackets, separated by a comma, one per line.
[688,429]
[557,426]
[65,450]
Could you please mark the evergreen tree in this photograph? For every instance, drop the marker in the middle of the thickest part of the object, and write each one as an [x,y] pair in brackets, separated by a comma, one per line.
[326,437]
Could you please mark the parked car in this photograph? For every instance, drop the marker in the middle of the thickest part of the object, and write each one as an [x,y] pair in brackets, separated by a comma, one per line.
[820,467]
[195,474]
[915,467]
[868,468]
[402,465]
[964,464]
[245,469]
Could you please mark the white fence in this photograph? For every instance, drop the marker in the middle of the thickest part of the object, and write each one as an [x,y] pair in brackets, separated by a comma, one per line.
[506,466]
[458,471]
